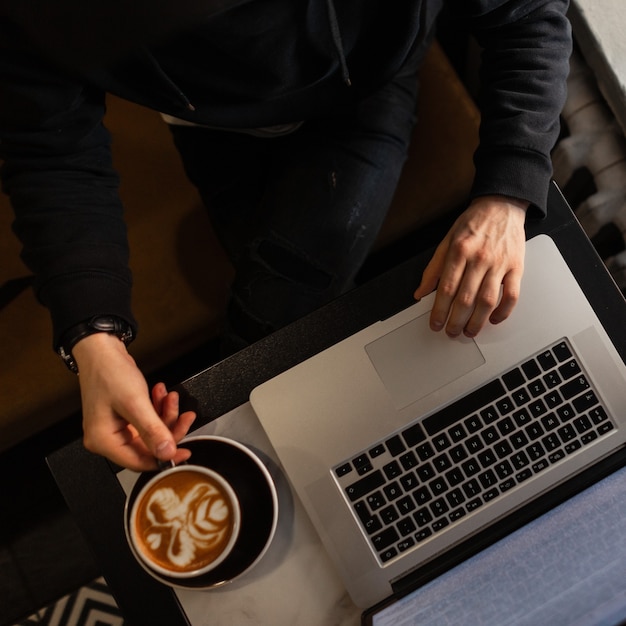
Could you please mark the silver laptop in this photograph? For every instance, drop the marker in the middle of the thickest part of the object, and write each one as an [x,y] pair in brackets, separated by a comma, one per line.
[402,443]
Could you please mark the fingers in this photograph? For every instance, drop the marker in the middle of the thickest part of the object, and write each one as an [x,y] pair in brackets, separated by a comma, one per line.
[477,269]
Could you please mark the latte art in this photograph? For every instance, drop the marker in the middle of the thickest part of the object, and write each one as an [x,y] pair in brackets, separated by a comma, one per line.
[184,521]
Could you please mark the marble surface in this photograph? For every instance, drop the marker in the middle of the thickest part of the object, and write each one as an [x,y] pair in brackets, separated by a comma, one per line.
[295,583]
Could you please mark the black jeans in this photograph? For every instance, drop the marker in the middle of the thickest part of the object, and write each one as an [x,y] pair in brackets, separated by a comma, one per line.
[299,213]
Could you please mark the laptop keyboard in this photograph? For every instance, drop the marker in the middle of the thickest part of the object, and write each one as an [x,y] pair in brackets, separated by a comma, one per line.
[435,472]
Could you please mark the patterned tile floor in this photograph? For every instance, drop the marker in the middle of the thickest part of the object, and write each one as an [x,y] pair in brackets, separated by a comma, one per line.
[91,605]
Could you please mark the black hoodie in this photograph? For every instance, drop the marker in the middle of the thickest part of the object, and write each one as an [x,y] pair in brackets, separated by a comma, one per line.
[255,63]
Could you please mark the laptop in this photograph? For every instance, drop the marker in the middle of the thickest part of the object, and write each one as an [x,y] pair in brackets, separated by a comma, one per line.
[404,444]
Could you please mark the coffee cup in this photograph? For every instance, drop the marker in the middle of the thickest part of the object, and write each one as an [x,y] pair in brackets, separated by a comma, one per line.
[184,522]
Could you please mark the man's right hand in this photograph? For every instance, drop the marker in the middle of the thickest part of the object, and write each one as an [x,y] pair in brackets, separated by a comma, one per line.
[122,420]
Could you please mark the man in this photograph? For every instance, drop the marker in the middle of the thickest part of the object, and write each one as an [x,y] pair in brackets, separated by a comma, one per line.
[293,119]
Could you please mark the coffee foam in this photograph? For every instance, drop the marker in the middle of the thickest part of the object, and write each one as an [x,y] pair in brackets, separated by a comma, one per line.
[184,521]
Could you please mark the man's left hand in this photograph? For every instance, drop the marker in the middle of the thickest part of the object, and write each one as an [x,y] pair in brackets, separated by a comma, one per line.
[477,269]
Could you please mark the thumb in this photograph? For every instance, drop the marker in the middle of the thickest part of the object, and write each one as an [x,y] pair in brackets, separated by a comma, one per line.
[156,436]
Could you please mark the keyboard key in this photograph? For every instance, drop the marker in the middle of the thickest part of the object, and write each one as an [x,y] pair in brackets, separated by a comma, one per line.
[371,523]
[503,469]
[438,485]
[405,505]
[569,369]
[389,514]
[471,488]
[582,424]
[508,484]
[376,500]
[392,491]
[487,479]
[425,472]
[534,431]
[502,449]
[513,379]
[505,405]
[506,426]
[344,469]
[574,387]
[586,401]
[474,444]
[442,463]
[473,504]
[598,415]
[490,435]
[386,538]
[441,442]
[605,428]
[551,442]
[471,467]
[423,534]
[365,485]
[414,435]
[521,397]
[520,460]
[518,440]
[425,451]
[552,379]
[536,388]
[422,517]
[455,497]
[388,554]
[440,524]
[550,421]
[422,496]
[562,352]
[408,461]
[546,360]
[395,445]
[537,407]
[535,451]
[522,417]
[409,481]
[531,369]
[473,424]
[457,433]
[363,469]
[553,399]
[474,401]
[489,415]
[458,453]
[377,450]
[406,526]
[405,544]
[439,507]
[457,514]
[392,470]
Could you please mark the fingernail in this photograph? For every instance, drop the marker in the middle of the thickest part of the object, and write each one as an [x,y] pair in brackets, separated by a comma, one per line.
[165,449]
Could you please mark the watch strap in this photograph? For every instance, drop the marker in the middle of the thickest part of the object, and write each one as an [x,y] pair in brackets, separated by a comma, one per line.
[109,324]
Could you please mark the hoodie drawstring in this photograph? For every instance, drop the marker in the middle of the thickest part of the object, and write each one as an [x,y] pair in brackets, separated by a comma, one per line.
[336,35]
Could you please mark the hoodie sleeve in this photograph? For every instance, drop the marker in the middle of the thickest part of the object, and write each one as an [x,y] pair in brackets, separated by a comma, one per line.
[56,168]
[526,45]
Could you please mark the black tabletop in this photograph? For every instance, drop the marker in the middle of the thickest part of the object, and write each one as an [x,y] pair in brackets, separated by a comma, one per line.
[88,482]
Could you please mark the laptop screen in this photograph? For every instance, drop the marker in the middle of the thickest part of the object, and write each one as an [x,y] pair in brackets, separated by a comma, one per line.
[566,567]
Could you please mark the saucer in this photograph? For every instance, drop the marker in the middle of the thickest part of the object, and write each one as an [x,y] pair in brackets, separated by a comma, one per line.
[258,499]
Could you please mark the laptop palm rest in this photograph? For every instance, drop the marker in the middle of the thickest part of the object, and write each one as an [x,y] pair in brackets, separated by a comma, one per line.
[412,361]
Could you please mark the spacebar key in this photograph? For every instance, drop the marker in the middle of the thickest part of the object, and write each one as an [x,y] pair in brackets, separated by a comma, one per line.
[464,407]
[365,485]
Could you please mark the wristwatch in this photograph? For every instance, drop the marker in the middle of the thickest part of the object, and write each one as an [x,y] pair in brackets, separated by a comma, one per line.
[99,324]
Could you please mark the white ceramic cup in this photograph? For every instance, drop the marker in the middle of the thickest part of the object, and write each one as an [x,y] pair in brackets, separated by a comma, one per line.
[184,522]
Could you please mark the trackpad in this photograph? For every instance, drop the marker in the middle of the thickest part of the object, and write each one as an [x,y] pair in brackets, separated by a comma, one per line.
[413,361]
